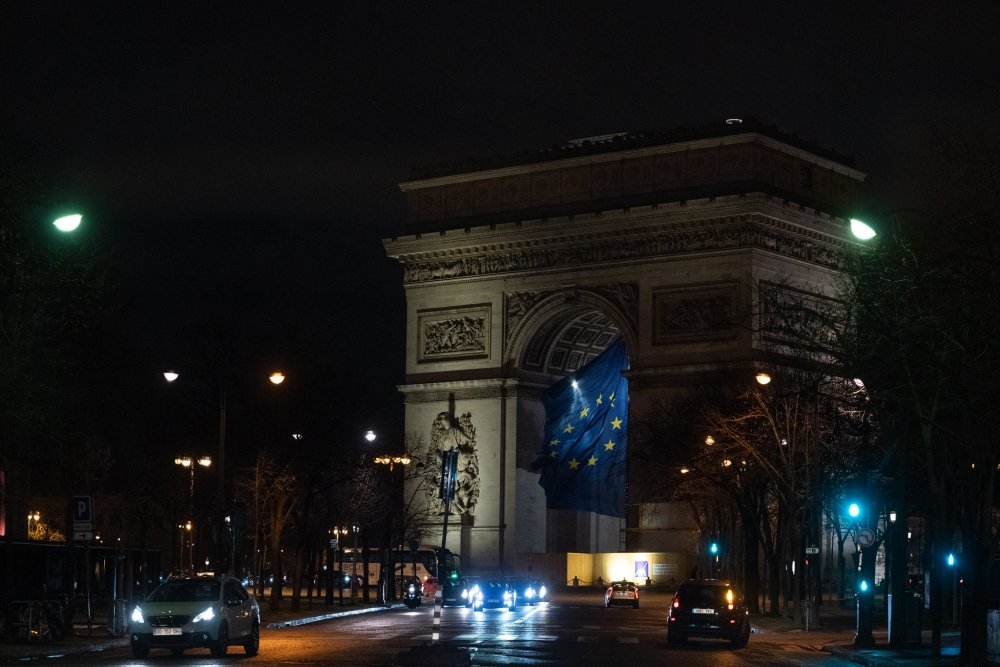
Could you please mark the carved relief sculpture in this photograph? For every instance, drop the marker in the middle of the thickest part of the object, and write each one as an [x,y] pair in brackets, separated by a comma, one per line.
[448,432]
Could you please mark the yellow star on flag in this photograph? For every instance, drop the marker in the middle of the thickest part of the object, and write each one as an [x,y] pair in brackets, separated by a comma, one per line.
[554,442]
[615,423]
[600,399]
[568,428]
[574,464]
[592,461]
[553,454]
[609,445]
[584,412]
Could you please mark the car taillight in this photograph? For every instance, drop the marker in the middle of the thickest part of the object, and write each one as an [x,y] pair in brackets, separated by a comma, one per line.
[730,598]
[676,604]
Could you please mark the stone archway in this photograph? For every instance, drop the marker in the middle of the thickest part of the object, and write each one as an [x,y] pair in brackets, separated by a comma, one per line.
[515,273]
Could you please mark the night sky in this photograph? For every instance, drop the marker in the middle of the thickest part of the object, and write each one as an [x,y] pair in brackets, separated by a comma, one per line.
[240,161]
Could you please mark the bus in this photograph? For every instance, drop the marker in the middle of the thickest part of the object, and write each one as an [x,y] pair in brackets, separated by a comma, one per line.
[420,564]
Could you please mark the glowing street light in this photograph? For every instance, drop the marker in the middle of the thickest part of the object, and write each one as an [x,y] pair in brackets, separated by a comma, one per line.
[862,230]
[68,223]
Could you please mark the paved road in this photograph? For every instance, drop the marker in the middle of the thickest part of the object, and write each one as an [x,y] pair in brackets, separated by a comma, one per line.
[572,630]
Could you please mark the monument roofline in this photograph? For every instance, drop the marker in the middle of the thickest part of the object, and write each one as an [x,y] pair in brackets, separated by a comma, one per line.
[626,170]
[590,149]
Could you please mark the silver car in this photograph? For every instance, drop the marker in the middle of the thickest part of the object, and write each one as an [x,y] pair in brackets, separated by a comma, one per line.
[196,612]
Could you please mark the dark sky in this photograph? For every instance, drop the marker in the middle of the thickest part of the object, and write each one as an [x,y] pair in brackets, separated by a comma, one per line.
[252,151]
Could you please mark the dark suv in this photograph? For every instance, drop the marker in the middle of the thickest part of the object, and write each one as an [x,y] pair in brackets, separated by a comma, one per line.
[709,608]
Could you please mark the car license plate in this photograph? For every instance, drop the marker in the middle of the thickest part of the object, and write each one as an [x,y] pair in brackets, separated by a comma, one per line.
[699,610]
[159,632]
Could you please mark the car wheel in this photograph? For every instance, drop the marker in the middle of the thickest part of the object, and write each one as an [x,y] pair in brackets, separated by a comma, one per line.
[221,645]
[741,640]
[252,644]
[140,651]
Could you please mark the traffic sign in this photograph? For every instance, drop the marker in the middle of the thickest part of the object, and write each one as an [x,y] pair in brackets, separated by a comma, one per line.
[82,535]
[812,550]
[83,509]
[866,537]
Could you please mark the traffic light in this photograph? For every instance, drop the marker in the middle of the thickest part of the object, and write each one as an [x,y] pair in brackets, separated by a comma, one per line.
[713,548]
[854,510]
[453,575]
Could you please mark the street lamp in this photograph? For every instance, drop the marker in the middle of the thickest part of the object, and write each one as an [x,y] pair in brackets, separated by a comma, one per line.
[68,223]
[391,461]
[862,230]
[276,377]
[35,516]
[181,528]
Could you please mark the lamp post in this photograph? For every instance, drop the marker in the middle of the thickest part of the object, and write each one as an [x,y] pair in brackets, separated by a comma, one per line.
[190,463]
[276,378]
[391,461]
[34,516]
[181,528]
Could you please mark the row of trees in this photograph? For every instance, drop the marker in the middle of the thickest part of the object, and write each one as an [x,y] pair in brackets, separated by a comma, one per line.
[896,408]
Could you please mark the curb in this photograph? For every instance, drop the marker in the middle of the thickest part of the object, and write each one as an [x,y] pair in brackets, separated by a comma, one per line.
[325,617]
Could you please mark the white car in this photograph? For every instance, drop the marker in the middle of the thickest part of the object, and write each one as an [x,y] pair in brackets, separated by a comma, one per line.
[196,612]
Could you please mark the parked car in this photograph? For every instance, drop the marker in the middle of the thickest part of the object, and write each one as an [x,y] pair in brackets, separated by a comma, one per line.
[493,594]
[196,612]
[622,592]
[708,608]
[529,591]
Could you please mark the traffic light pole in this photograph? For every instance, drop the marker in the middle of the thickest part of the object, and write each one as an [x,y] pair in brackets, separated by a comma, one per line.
[865,597]
[449,464]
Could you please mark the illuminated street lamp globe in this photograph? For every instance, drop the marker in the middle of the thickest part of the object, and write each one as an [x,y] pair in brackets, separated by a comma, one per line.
[68,223]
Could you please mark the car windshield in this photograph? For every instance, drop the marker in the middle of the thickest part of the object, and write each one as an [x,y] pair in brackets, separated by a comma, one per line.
[186,591]
[623,586]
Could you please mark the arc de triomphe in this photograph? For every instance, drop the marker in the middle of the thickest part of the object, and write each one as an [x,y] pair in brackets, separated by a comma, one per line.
[519,271]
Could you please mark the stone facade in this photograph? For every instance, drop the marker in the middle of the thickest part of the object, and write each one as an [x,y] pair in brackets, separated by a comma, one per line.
[517,275]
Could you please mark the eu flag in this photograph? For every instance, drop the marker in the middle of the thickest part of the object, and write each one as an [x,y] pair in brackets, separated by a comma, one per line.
[583,456]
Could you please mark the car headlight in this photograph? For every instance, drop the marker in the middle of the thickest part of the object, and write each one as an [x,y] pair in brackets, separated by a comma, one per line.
[541,592]
[529,592]
[137,616]
[206,615]
[506,596]
[413,589]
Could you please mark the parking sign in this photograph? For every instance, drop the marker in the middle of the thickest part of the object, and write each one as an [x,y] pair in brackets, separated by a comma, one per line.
[82,509]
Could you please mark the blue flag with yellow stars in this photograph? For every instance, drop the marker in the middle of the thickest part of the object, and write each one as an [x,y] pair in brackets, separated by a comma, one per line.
[583,457]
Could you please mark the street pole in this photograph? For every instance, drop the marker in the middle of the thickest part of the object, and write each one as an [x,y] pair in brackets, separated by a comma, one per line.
[221,500]
[449,462]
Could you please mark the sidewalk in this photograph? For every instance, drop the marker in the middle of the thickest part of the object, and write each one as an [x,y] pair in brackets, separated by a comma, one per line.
[835,635]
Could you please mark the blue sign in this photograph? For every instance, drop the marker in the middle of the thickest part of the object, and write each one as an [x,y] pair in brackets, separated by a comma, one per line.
[82,509]
[642,569]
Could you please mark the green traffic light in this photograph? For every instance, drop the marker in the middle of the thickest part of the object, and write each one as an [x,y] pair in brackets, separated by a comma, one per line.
[854,510]
[713,548]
